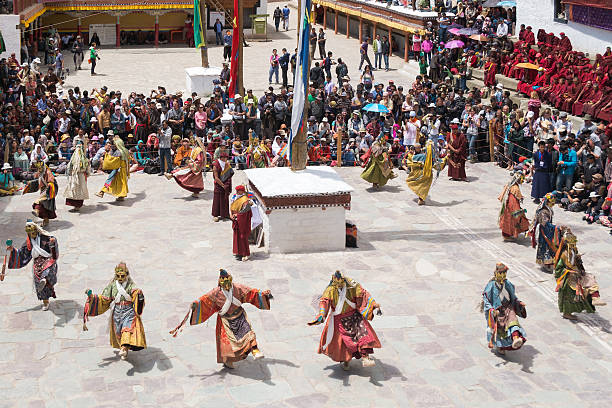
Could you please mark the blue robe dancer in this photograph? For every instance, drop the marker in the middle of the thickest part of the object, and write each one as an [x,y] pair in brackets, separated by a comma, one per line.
[547,233]
[40,248]
[501,307]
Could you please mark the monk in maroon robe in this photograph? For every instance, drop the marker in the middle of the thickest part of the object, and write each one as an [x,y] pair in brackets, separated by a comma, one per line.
[490,69]
[596,98]
[564,43]
[585,95]
[529,36]
[457,146]
[570,95]
[241,223]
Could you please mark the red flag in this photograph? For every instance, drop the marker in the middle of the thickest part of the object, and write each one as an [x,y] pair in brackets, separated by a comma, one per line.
[235,48]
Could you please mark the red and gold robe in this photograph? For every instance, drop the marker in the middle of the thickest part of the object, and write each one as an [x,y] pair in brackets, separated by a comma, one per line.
[348,329]
[235,335]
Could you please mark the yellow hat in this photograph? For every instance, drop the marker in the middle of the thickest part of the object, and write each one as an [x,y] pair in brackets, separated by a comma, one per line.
[65,136]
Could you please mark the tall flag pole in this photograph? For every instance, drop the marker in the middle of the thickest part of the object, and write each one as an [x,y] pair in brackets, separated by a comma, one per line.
[199,29]
[234,62]
[297,134]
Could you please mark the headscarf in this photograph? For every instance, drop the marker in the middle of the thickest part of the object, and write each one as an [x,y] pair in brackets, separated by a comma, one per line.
[125,154]
[78,161]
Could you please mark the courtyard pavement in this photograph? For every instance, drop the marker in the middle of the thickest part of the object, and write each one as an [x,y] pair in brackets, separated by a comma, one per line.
[426,266]
[142,69]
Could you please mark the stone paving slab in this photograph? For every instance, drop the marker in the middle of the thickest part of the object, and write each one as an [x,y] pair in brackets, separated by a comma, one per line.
[425,265]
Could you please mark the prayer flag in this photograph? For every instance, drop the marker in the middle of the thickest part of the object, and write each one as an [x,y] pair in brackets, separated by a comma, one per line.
[235,49]
[199,31]
[300,86]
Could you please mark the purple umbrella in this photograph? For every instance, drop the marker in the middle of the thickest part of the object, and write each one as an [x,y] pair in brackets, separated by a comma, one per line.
[455,31]
[468,31]
[454,44]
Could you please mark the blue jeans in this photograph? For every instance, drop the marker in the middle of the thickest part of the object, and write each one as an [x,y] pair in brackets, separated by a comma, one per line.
[564,180]
[462,83]
[219,38]
[165,161]
[386,58]
[472,144]
[273,70]
[442,34]
[378,60]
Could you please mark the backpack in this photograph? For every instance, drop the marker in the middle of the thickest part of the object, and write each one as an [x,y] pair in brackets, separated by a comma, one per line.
[151,166]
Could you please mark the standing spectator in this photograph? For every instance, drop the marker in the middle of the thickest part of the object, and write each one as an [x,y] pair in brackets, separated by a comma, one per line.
[175,119]
[284,65]
[377,47]
[93,57]
[227,46]
[273,67]
[293,62]
[165,141]
[117,121]
[218,32]
[386,51]
[200,121]
[363,50]
[238,111]
[341,71]
[277,15]
[286,12]
[313,43]
[321,41]
[77,52]
[471,122]
[566,166]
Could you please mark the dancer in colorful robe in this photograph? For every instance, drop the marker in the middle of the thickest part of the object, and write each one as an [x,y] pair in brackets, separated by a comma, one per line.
[190,177]
[501,307]
[547,233]
[77,171]
[235,335]
[346,309]
[41,248]
[422,167]
[379,169]
[577,290]
[44,206]
[126,329]
[512,220]
[118,161]
[240,213]
[222,177]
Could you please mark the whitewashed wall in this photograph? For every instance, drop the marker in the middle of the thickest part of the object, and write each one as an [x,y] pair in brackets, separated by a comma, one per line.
[11,35]
[305,230]
[540,14]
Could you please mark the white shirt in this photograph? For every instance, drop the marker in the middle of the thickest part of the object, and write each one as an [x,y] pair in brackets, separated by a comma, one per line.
[502,30]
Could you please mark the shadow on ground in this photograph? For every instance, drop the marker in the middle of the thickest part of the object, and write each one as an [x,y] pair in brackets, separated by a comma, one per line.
[378,374]
[254,370]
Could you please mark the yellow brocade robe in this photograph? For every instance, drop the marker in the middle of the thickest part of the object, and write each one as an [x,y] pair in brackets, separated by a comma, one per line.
[126,327]
[421,173]
[119,186]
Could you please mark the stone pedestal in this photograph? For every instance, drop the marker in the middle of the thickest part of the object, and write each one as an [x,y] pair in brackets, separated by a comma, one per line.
[200,80]
[302,211]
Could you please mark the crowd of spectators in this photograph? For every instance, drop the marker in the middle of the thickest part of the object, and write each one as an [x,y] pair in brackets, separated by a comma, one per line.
[39,119]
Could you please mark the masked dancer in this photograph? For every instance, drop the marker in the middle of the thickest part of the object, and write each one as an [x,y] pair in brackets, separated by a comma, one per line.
[379,169]
[189,176]
[41,248]
[44,206]
[577,290]
[547,233]
[421,170]
[118,162]
[77,171]
[512,220]
[346,309]
[501,307]
[126,329]
[235,335]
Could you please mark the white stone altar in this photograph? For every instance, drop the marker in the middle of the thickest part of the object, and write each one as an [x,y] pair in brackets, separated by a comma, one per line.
[200,80]
[302,211]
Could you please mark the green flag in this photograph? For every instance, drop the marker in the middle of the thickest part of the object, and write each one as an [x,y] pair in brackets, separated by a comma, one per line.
[199,29]
[2,46]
